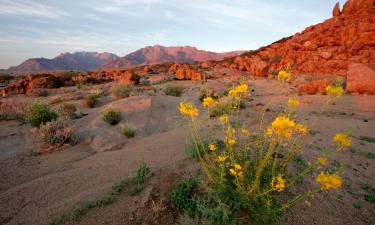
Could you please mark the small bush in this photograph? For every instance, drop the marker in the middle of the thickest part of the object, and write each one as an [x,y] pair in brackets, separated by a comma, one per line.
[68,109]
[39,113]
[221,109]
[91,100]
[121,91]
[208,93]
[174,90]
[13,109]
[139,179]
[112,116]
[183,197]
[56,132]
[129,131]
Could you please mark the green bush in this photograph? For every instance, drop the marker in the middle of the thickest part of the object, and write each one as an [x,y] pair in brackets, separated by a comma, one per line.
[183,197]
[68,109]
[174,90]
[91,100]
[121,90]
[208,93]
[129,131]
[39,113]
[140,177]
[112,116]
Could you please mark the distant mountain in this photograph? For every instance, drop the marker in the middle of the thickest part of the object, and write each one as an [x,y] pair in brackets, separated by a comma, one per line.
[79,61]
[160,54]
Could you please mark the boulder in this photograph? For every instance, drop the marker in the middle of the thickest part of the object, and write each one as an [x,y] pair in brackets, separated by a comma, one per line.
[258,67]
[361,79]
[129,77]
[39,81]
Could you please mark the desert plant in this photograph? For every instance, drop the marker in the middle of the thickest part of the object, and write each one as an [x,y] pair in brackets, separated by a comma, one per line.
[140,177]
[129,131]
[56,132]
[208,93]
[39,113]
[174,90]
[121,90]
[112,116]
[91,100]
[183,196]
[252,169]
[68,109]
[13,109]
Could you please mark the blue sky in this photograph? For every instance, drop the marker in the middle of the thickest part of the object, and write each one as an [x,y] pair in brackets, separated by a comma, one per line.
[45,28]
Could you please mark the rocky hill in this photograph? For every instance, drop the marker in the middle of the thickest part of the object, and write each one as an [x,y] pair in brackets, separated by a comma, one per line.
[324,48]
[160,54]
[79,61]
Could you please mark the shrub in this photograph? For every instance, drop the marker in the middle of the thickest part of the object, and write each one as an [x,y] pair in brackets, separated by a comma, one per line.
[56,132]
[39,113]
[183,197]
[91,100]
[248,174]
[13,109]
[129,131]
[121,90]
[174,90]
[112,116]
[208,93]
[68,109]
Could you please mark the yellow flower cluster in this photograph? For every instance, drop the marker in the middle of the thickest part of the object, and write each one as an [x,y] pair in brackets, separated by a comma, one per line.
[342,140]
[278,183]
[245,131]
[236,170]
[334,90]
[322,161]
[224,118]
[208,102]
[222,158]
[231,141]
[212,147]
[284,75]
[293,102]
[283,127]
[238,90]
[329,181]
[302,129]
[187,109]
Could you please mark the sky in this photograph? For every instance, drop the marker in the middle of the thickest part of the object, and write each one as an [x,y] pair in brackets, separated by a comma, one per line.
[45,28]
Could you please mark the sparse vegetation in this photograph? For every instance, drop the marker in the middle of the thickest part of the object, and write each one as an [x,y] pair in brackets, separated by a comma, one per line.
[39,113]
[140,177]
[174,90]
[368,139]
[112,116]
[208,93]
[14,109]
[129,131]
[121,90]
[183,197]
[68,109]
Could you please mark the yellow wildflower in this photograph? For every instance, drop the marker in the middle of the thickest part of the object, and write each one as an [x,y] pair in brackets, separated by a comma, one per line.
[269,132]
[283,126]
[222,158]
[238,90]
[334,90]
[329,181]
[342,140]
[231,141]
[293,102]
[237,167]
[302,129]
[187,109]
[245,131]
[278,183]
[232,171]
[322,161]
[224,118]
[208,102]
[212,147]
[284,75]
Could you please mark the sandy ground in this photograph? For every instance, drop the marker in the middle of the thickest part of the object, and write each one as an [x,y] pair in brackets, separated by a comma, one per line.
[35,189]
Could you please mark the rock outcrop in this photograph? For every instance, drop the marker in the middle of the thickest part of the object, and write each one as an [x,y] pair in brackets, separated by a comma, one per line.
[361,79]
[323,49]
[186,72]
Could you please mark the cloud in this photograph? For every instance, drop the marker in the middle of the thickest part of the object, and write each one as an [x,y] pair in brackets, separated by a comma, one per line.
[29,8]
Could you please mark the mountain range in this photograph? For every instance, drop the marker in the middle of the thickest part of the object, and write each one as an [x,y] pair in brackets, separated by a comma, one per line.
[83,61]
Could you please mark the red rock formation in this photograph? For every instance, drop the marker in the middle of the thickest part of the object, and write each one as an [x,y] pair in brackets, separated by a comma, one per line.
[314,87]
[129,77]
[336,10]
[361,79]
[186,72]
[322,49]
